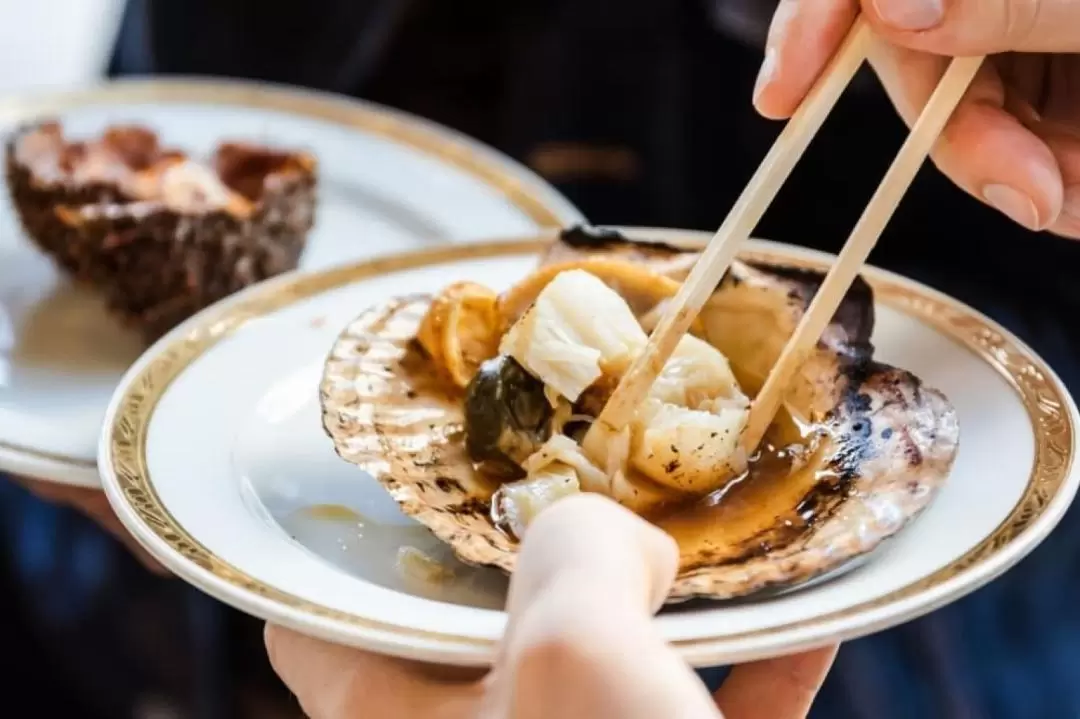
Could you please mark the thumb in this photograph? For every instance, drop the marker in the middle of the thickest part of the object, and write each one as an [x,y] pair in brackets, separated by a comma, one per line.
[977,27]
[580,641]
[590,538]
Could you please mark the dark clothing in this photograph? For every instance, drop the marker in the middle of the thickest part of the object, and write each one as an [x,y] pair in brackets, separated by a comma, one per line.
[639,111]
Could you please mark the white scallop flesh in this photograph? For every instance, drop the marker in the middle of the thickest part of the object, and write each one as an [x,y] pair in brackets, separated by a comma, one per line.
[560,449]
[695,373]
[553,472]
[684,439]
[685,436]
[518,503]
[577,329]
[693,451]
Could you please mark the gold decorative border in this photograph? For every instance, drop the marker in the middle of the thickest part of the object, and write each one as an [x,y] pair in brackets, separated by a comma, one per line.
[392,125]
[1044,398]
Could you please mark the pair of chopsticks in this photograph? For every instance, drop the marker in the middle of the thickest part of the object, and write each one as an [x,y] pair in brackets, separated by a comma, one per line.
[747,212]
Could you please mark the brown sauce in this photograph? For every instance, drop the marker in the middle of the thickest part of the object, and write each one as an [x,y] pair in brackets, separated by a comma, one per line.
[775,503]
[332,513]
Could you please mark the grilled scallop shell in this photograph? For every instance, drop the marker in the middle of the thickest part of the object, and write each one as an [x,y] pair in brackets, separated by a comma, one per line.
[894,440]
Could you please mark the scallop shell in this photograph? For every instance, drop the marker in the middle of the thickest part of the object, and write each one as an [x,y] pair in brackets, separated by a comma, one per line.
[894,439]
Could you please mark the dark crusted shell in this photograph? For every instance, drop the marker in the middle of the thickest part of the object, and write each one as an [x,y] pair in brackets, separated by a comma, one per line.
[155,264]
[895,440]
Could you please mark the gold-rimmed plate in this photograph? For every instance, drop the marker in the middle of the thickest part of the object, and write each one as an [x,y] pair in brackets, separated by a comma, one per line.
[214,458]
[389,182]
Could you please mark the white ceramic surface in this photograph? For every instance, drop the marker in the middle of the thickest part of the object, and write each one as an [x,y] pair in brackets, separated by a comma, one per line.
[230,489]
[388,183]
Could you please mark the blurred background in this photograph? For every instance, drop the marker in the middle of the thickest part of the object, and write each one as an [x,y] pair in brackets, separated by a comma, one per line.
[639,111]
[56,43]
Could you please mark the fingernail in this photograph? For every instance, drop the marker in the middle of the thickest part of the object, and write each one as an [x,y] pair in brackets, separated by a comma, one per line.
[1072,202]
[1016,205]
[766,73]
[910,14]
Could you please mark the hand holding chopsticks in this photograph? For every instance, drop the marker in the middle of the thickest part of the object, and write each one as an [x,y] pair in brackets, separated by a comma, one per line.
[858,245]
[748,210]
[1012,138]
[740,222]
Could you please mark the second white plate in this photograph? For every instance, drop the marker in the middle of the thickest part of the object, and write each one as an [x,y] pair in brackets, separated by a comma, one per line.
[388,183]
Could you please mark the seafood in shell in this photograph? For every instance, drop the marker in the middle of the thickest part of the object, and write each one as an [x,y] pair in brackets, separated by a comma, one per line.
[159,234]
[859,449]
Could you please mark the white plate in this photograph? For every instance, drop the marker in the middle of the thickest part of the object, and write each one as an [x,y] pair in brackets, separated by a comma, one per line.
[213,456]
[388,183]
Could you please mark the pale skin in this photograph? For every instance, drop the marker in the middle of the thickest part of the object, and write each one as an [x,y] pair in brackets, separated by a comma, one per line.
[580,643]
[1014,142]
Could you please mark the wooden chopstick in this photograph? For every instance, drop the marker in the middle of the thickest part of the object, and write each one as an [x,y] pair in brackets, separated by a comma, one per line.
[739,223]
[863,237]
[747,212]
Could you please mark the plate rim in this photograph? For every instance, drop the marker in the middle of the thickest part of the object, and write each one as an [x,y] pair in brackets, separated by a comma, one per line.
[1051,486]
[526,190]
[53,468]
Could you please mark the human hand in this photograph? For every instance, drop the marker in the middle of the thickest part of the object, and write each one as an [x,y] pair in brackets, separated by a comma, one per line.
[93,504]
[1014,141]
[580,643]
